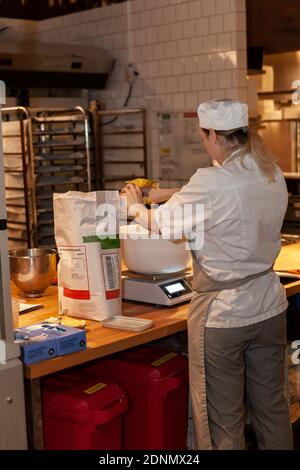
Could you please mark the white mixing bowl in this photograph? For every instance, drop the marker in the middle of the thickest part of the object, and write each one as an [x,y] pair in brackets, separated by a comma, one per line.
[150,256]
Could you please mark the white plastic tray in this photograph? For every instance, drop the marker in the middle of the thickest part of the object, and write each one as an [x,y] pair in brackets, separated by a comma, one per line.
[127,323]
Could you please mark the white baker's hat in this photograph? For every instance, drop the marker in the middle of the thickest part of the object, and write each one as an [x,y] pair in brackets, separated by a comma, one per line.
[223,115]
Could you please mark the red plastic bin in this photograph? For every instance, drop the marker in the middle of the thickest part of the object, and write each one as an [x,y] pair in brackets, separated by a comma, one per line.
[156,383]
[80,413]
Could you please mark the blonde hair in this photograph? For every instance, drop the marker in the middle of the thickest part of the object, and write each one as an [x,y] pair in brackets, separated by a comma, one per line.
[249,141]
[265,160]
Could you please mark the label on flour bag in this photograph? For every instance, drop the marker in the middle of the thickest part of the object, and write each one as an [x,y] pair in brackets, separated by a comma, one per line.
[74,272]
[110,262]
[111,267]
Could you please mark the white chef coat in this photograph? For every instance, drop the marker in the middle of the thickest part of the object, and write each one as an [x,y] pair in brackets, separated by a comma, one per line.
[243,215]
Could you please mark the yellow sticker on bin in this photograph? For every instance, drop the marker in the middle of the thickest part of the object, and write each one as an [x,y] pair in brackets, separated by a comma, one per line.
[95,388]
[164,359]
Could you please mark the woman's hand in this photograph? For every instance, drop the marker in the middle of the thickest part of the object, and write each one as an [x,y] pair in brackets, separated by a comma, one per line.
[153,195]
[159,195]
[134,195]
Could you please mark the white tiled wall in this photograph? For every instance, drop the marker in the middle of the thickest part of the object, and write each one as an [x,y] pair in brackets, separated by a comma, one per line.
[186,51]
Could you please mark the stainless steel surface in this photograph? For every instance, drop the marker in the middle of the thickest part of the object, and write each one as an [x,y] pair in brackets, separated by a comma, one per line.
[152,290]
[46,58]
[32,270]
[12,407]
[13,434]
[157,277]
[289,239]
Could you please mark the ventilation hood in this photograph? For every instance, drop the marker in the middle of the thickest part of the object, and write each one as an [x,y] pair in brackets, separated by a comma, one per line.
[43,65]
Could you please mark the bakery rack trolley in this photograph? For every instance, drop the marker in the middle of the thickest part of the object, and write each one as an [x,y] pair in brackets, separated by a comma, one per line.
[61,153]
[19,177]
[120,145]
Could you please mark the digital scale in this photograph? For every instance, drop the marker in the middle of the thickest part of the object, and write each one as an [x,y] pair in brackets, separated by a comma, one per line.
[159,289]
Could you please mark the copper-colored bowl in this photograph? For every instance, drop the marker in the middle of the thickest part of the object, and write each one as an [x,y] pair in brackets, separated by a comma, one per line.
[32,270]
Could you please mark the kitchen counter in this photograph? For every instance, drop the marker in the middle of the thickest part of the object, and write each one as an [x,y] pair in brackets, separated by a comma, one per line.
[289,258]
[104,341]
[289,261]
[100,342]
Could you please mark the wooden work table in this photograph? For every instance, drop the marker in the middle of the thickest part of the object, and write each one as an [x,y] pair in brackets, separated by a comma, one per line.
[104,341]
[100,342]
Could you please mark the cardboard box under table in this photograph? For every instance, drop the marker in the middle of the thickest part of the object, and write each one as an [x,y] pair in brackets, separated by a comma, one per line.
[44,340]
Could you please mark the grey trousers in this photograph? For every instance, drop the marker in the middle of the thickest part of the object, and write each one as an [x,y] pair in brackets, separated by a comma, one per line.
[245,370]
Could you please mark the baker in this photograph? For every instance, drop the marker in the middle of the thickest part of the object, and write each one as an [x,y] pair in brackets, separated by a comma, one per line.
[236,321]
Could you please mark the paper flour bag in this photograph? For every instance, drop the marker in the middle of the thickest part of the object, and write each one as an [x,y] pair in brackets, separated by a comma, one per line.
[89,270]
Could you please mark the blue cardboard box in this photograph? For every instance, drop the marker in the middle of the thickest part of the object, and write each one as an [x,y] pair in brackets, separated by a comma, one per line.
[46,340]
[68,339]
[36,345]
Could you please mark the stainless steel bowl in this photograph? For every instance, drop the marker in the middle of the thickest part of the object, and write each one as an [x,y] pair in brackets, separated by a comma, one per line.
[32,270]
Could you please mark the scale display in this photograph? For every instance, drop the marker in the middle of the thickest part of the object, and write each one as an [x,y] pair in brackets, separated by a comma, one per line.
[175,289]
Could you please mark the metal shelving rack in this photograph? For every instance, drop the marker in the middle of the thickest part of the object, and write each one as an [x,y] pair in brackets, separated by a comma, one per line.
[53,151]
[117,132]
[61,154]
[18,167]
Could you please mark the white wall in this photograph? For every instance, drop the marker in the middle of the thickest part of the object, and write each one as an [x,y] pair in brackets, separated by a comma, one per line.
[186,51]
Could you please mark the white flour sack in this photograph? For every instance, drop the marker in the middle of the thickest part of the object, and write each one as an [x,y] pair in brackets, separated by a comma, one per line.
[89,270]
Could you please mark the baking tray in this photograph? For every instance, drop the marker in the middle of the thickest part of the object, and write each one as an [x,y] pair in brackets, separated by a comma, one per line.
[59,143]
[62,131]
[52,119]
[59,180]
[127,323]
[58,168]
[60,156]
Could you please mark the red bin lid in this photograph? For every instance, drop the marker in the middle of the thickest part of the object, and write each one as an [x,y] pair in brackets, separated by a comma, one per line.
[149,363]
[78,402]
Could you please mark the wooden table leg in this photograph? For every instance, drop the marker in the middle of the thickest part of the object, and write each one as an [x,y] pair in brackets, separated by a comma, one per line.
[34,417]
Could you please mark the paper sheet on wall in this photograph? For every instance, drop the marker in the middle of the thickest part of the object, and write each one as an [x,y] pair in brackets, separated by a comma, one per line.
[180,147]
